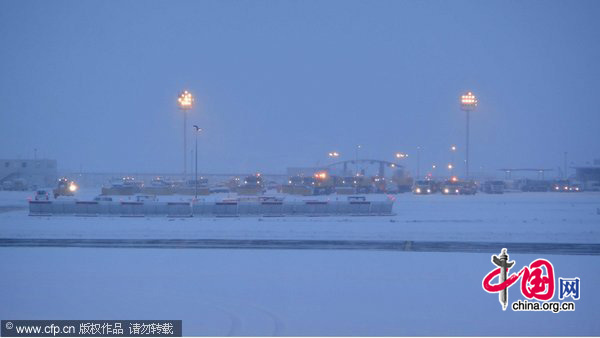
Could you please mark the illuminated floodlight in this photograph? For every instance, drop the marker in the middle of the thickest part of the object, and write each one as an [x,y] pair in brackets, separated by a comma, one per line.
[186,100]
[468,101]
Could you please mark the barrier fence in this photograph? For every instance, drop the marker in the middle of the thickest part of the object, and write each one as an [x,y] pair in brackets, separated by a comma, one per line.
[214,209]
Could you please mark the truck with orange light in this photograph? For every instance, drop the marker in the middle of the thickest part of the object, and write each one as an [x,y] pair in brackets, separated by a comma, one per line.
[65,188]
[424,187]
[451,187]
[324,184]
[252,185]
[299,185]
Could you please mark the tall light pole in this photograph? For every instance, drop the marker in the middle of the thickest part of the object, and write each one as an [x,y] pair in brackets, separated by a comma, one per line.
[356,158]
[468,103]
[198,130]
[186,102]
[418,162]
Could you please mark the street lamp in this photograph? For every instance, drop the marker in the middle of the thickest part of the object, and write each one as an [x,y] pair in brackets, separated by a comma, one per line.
[186,102]
[198,130]
[334,154]
[401,155]
[468,103]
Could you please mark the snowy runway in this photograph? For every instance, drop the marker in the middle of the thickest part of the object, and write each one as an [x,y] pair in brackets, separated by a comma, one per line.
[416,273]
[284,292]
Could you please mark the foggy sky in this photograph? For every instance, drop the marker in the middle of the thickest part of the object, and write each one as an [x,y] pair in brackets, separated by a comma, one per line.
[94,84]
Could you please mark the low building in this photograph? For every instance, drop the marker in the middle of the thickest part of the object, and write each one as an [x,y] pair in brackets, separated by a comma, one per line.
[589,175]
[27,174]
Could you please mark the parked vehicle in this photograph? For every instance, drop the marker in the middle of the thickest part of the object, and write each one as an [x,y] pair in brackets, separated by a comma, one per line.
[467,188]
[566,186]
[451,187]
[493,187]
[534,185]
[424,187]
[253,185]
[41,195]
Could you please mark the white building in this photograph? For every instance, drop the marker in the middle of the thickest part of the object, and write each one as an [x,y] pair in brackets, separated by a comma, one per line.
[40,173]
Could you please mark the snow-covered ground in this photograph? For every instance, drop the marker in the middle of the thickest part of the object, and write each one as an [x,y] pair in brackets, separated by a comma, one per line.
[305,292]
[285,292]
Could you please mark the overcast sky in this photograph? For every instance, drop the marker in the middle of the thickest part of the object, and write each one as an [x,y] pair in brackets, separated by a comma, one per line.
[94,84]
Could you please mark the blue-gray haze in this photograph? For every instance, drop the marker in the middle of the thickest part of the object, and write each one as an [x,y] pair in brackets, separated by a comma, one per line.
[94,84]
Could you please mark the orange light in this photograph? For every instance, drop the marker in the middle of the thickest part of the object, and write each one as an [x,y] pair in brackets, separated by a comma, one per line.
[186,100]
[454,179]
[321,175]
[468,101]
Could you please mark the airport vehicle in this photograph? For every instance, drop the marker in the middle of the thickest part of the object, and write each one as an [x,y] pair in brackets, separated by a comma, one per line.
[424,187]
[324,183]
[41,195]
[253,185]
[158,186]
[192,187]
[493,187]
[17,184]
[451,187]
[65,188]
[123,186]
[299,185]
[534,185]
[566,186]
[467,188]
[455,187]
[353,185]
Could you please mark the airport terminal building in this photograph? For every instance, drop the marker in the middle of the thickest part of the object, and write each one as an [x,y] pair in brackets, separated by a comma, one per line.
[27,174]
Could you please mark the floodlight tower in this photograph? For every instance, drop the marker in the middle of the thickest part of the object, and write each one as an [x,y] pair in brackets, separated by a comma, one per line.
[186,102]
[198,131]
[468,103]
